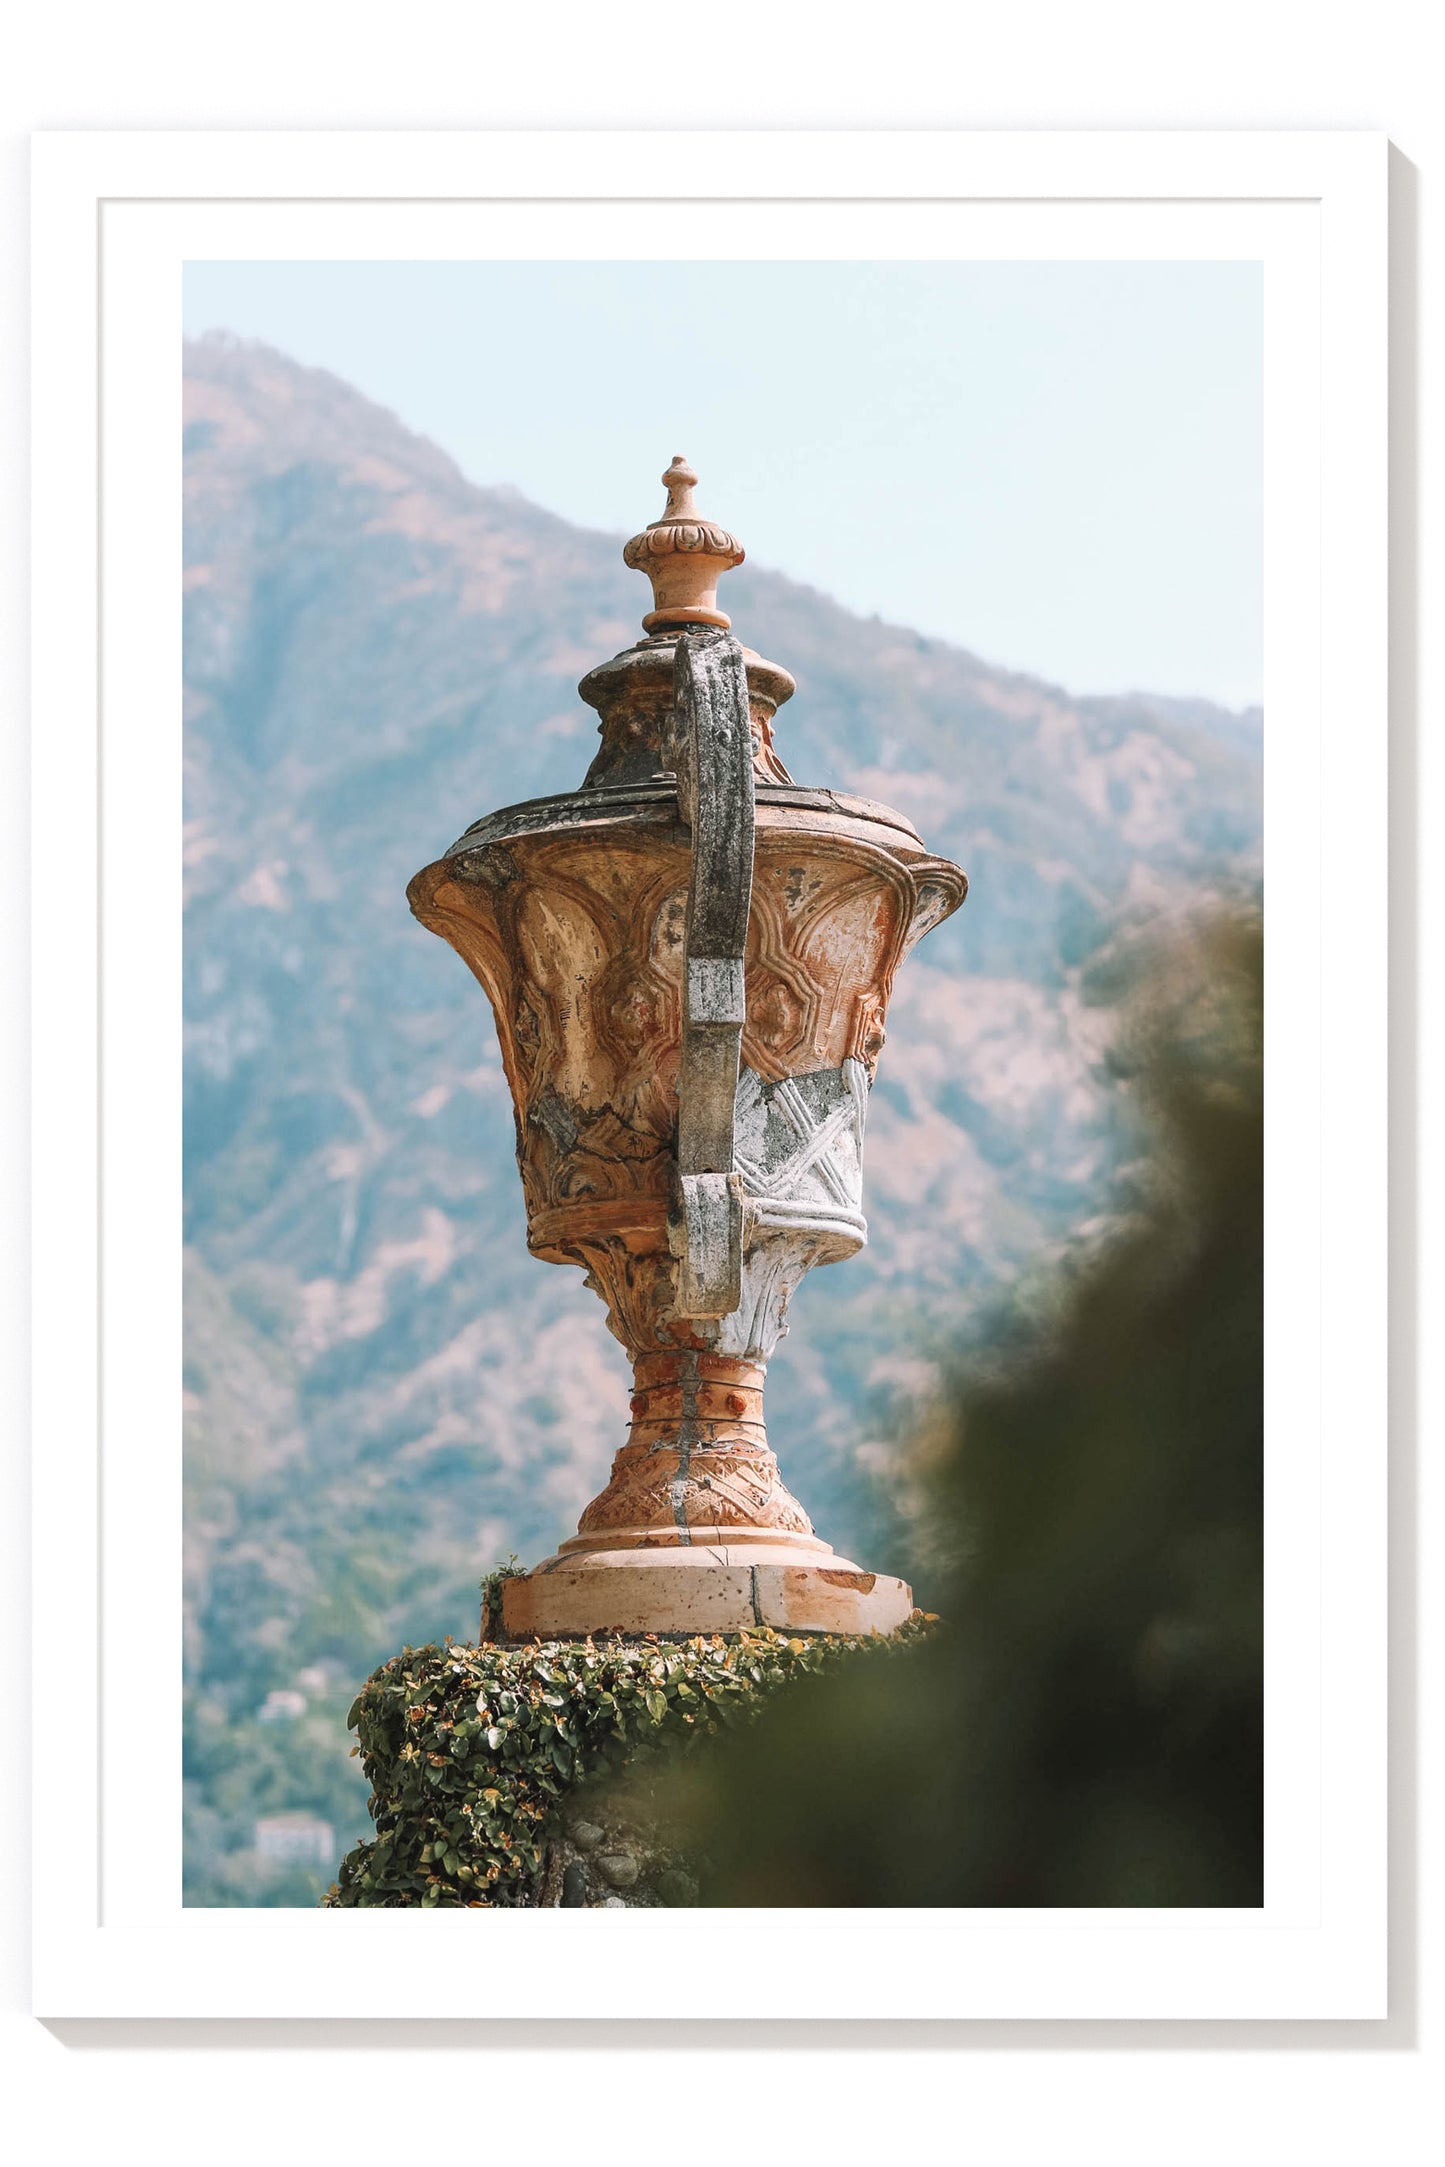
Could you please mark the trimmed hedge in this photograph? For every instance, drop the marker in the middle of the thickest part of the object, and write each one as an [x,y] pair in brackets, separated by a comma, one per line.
[470,1752]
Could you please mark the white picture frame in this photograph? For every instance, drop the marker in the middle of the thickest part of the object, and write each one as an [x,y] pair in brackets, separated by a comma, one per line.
[115,216]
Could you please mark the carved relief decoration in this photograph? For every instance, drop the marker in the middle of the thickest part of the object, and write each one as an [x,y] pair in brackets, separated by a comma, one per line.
[577,938]
[633,696]
[688,537]
[661,1496]
[696,1467]
[577,941]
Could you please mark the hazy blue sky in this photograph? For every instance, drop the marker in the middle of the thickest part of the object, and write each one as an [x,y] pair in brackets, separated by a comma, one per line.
[1057,465]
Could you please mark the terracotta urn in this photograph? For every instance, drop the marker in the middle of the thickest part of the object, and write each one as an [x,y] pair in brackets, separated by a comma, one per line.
[689,961]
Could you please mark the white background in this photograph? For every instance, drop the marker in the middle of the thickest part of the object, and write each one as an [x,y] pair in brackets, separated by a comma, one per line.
[1329,2092]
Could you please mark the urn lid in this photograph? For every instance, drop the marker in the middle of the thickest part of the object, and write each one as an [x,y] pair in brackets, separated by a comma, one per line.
[632,784]
[684,554]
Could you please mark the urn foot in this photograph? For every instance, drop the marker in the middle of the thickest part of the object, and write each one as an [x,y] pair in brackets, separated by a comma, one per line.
[696,1532]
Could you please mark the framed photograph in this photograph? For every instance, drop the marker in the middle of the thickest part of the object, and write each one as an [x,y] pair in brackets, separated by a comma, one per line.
[335,441]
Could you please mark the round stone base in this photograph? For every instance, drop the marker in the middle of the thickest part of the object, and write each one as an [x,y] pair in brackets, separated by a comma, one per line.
[685,1591]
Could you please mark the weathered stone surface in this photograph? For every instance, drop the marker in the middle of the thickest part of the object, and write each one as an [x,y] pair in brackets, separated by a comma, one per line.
[580,948]
[690,974]
[633,695]
[619,1868]
[637,1861]
[677,1888]
[712,1590]
[711,752]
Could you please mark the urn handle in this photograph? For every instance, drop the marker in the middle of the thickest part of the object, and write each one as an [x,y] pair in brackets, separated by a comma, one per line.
[711,751]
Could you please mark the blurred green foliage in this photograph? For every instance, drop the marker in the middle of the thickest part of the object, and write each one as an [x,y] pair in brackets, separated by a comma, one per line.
[1087,1727]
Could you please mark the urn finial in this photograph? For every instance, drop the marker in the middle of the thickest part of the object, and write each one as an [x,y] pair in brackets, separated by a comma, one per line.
[683,554]
[679,481]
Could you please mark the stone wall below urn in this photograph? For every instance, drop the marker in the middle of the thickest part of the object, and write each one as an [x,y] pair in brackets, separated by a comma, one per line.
[534,1776]
[614,1847]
